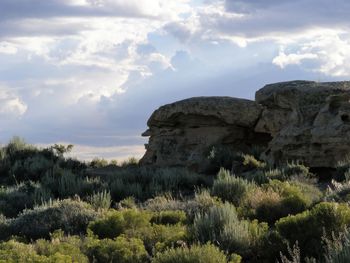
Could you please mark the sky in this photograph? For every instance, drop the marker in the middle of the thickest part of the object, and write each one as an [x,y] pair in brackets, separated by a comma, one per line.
[91,72]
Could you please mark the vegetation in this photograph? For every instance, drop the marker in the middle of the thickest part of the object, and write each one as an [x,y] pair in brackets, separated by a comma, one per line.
[58,209]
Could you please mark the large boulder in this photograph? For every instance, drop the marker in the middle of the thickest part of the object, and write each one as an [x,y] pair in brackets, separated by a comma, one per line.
[298,120]
[182,133]
[309,121]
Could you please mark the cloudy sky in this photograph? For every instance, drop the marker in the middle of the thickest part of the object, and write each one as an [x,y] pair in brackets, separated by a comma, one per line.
[90,72]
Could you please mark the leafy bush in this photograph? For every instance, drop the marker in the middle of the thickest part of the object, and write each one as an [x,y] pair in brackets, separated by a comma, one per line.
[291,171]
[117,222]
[71,216]
[120,250]
[169,217]
[58,250]
[13,251]
[20,161]
[196,254]
[164,202]
[231,188]
[279,199]
[160,237]
[308,227]
[252,163]
[68,246]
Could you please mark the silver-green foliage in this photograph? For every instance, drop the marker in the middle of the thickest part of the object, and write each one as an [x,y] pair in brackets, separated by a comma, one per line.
[338,248]
[207,253]
[222,226]
[231,188]
[100,200]
[72,216]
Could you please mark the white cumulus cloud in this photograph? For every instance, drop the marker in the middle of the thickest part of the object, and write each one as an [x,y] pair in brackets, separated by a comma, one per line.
[283,60]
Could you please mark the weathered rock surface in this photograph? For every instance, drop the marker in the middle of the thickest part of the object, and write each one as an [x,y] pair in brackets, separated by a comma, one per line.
[182,133]
[309,121]
[297,120]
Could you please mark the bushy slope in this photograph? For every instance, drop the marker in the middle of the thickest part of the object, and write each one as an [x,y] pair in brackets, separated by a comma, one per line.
[56,209]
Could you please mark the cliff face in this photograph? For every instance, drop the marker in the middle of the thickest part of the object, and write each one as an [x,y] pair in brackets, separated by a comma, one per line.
[298,120]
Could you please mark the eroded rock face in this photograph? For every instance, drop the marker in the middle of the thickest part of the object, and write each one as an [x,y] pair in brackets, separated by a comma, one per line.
[298,120]
[309,121]
[182,133]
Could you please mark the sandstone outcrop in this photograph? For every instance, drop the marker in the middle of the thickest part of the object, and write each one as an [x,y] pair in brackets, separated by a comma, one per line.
[182,133]
[297,120]
[308,121]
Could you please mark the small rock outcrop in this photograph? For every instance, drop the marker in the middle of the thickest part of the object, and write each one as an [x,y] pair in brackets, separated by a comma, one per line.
[297,120]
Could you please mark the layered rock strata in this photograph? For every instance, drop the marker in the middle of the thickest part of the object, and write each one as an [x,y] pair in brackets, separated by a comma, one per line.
[297,120]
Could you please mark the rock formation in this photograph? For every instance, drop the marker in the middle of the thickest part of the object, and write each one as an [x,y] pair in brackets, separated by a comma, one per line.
[298,120]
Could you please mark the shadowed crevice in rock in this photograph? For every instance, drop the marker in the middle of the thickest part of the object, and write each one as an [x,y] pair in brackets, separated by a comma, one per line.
[297,120]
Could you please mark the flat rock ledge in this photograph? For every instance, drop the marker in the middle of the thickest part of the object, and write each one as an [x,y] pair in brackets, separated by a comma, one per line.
[298,120]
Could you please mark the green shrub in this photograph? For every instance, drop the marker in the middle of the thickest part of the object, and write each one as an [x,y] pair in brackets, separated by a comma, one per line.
[243,236]
[160,237]
[338,248]
[71,216]
[252,163]
[208,226]
[342,168]
[128,203]
[69,184]
[196,254]
[98,163]
[120,250]
[291,171]
[143,183]
[117,222]
[264,205]
[279,199]
[131,161]
[308,227]
[221,225]
[13,251]
[219,156]
[201,203]
[60,246]
[169,217]
[257,176]
[15,198]
[338,192]
[121,190]
[164,202]
[231,188]
[101,200]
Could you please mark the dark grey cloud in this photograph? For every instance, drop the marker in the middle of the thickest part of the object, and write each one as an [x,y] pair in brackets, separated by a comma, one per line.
[179,30]
[248,6]
[50,17]
[24,9]
[264,18]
